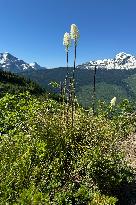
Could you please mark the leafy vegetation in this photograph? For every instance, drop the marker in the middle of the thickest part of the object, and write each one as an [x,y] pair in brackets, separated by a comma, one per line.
[15,84]
[46,161]
[104,92]
[12,83]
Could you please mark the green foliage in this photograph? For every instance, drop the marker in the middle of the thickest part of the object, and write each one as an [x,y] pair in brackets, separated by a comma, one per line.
[44,160]
[131,81]
[109,83]
[12,83]
[54,84]
[104,92]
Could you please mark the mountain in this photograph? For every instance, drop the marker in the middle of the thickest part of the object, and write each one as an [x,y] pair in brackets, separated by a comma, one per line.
[121,61]
[111,80]
[36,66]
[10,63]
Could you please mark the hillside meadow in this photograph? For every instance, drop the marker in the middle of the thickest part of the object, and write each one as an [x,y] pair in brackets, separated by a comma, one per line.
[47,160]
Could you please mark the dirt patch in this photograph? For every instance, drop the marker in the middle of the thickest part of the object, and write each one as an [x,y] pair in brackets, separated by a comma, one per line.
[129,147]
[128,191]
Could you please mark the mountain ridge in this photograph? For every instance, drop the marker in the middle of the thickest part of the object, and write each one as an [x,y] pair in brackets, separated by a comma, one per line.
[122,60]
[11,63]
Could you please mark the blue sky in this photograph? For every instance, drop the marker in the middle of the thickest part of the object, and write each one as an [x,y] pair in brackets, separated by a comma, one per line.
[33,29]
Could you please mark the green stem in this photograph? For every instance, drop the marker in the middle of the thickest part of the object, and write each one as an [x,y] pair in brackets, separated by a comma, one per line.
[73,84]
[67,64]
[74,62]
[67,89]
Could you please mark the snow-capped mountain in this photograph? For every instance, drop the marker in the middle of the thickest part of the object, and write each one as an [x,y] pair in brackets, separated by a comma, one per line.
[121,61]
[36,66]
[10,63]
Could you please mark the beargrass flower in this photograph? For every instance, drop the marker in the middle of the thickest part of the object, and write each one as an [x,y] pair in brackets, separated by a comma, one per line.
[67,41]
[113,101]
[74,32]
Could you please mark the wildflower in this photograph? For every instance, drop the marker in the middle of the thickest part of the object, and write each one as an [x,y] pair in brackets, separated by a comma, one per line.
[113,101]
[67,40]
[74,33]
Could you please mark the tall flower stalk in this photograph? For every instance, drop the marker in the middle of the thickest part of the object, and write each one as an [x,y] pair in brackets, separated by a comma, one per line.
[74,33]
[70,85]
[67,43]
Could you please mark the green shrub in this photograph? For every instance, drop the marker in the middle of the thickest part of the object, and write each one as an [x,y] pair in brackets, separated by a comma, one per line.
[46,161]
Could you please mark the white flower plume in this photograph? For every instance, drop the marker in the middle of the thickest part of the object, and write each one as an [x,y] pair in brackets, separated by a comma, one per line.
[74,32]
[113,101]
[67,40]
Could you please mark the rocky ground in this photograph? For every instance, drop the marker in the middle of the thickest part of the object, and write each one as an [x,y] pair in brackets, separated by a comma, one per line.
[129,147]
[128,192]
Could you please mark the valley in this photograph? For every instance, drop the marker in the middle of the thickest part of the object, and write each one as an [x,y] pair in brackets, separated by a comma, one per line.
[112,79]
